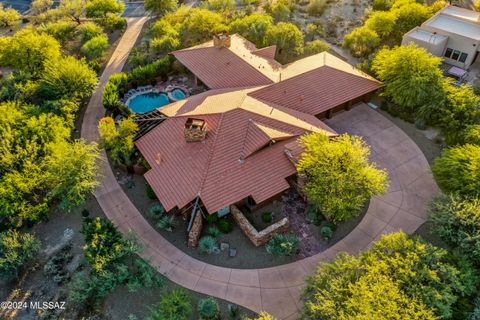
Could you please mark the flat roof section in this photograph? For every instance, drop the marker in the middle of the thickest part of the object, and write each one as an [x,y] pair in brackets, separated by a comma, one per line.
[462,13]
[454,25]
[426,36]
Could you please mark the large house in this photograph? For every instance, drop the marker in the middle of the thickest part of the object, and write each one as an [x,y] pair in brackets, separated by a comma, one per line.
[452,33]
[236,142]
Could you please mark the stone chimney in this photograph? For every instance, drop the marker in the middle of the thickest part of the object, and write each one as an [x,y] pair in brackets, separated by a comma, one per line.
[195,130]
[221,40]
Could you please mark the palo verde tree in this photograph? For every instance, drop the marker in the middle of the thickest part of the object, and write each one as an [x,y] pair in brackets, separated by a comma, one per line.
[118,142]
[411,76]
[398,278]
[339,179]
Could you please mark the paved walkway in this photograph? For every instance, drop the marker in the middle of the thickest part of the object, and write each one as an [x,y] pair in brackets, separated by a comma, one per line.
[275,290]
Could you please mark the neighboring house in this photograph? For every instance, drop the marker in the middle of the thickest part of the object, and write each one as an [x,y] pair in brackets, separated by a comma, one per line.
[236,142]
[452,33]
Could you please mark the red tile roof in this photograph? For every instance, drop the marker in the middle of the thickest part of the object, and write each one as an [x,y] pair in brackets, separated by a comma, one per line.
[237,159]
[317,91]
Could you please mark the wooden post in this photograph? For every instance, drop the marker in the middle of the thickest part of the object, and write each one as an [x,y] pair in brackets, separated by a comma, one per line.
[330,114]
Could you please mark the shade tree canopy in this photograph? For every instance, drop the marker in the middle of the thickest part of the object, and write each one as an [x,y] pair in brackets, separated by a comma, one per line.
[339,178]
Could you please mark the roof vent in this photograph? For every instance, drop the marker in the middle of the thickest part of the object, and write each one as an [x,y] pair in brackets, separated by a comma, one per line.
[221,40]
[195,130]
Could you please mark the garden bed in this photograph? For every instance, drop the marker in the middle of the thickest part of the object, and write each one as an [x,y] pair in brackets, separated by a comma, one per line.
[247,255]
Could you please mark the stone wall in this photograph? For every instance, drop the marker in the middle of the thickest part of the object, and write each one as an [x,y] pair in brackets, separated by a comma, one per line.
[196,231]
[258,238]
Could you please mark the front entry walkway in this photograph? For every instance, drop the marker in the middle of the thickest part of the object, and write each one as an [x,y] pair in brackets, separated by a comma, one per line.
[275,290]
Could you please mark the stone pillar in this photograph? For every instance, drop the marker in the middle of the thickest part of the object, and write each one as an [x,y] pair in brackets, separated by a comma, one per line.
[196,231]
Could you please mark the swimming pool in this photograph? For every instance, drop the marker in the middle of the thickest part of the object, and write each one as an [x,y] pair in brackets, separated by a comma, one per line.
[178,94]
[148,102]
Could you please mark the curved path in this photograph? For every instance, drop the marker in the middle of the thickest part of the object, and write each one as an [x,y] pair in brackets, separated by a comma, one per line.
[277,289]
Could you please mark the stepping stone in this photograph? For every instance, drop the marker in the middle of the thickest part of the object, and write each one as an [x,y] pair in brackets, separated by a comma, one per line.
[224,246]
[232,252]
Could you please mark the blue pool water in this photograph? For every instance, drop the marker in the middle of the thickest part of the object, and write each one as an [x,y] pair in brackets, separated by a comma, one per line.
[148,102]
[178,94]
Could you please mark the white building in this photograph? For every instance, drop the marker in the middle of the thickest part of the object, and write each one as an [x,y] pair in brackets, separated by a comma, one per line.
[452,33]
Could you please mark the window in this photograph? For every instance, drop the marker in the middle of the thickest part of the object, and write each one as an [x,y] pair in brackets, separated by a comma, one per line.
[455,54]
[448,53]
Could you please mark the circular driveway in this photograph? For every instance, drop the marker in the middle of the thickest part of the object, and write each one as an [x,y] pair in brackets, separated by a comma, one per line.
[277,289]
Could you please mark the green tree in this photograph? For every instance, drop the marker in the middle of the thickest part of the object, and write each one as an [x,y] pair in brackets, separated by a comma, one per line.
[16,249]
[28,51]
[40,6]
[253,27]
[339,177]
[200,25]
[89,30]
[408,16]
[8,17]
[73,9]
[411,76]
[457,170]
[161,7]
[288,39]
[72,171]
[316,46]
[95,47]
[118,142]
[398,278]
[61,30]
[457,221]
[67,78]
[382,22]
[280,11]
[224,6]
[361,41]
[174,305]
[100,8]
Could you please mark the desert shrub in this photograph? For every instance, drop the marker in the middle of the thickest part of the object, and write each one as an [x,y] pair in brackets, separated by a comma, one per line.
[280,11]
[457,221]
[313,30]
[174,305]
[361,41]
[267,217]
[113,22]
[148,73]
[326,232]
[16,249]
[89,30]
[219,5]
[110,98]
[156,211]
[167,222]
[313,216]
[316,7]
[316,46]
[150,193]
[95,47]
[207,245]
[283,245]
[225,225]
[208,309]
[213,232]
[60,30]
[472,134]
[211,218]
[457,170]
[339,176]
[166,43]
[381,5]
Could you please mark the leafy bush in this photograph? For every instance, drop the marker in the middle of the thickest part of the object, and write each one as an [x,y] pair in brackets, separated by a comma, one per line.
[150,193]
[156,211]
[267,217]
[211,218]
[316,46]
[213,232]
[316,7]
[219,5]
[207,245]
[111,99]
[147,74]
[339,176]
[165,44]
[283,245]
[472,134]
[174,305]
[361,41]
[313,216]
[398,278]
[89,30]
[113,22]
[326,232]
[60,30]
[458,170]
[208,309]
[16,249]
[457,221]
[95,47]
[167,222]
[225,225]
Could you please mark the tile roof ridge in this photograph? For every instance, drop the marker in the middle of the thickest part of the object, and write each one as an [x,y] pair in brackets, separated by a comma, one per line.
[210,155]
[243,154]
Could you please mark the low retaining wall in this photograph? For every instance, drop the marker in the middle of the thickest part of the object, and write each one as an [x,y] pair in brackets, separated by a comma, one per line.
[258,238]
